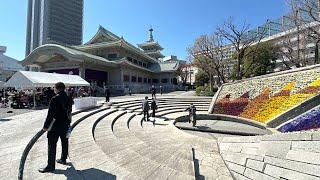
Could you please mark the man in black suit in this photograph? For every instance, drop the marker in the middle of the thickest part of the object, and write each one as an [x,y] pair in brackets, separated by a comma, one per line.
[107,94]
[57,124]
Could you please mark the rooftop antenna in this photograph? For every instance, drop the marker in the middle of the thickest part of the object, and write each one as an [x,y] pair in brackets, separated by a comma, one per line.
[150,34]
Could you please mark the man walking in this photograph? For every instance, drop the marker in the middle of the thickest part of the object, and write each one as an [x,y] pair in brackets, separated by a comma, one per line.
[153,108]
[107,94]
[145,108]
[57,124]
[153,92]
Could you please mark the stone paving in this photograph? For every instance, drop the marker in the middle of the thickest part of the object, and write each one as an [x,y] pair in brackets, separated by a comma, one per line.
[113,142]
[278,156]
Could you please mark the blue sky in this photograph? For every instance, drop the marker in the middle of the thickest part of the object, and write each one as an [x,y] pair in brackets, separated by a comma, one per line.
[176,23]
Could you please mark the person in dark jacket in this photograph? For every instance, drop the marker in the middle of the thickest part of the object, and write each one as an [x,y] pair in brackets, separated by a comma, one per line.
[56,125]
[153,92]
[107,93]
[145,108]
[153,108]
[192,114]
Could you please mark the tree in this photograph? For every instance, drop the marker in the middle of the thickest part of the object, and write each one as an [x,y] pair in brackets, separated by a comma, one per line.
[294,43]
[205,53]
[202,78]
[309,11]
[260,60]
[241,39]
[183,72]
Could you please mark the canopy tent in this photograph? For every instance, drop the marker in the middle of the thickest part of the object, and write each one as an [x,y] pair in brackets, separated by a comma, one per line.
[30,80]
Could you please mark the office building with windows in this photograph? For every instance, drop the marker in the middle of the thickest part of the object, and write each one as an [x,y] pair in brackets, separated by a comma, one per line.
[54,21]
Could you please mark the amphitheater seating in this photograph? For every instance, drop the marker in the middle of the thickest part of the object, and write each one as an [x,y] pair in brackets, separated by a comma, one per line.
[115,143]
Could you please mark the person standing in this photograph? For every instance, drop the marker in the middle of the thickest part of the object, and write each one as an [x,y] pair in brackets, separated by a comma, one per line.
[145,108]
[153,92]
[192,114]
[153,108]
[130,93]
[107,94]
[57,125]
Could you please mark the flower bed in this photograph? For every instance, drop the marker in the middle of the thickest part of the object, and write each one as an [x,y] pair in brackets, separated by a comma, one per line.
[308,121]
[255,105]
[263,108]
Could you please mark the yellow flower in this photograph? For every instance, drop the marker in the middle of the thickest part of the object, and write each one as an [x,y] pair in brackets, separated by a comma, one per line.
[316,83]
[290,86]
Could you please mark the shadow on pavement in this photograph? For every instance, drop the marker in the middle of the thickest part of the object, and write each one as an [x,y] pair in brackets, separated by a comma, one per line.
[4,119]
[92,173]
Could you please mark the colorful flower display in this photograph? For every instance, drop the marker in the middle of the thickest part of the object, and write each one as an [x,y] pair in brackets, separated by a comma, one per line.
[265,107]
[307,121]
[255,105]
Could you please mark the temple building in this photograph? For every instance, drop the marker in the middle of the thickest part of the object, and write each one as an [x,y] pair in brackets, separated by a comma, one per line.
[109,60]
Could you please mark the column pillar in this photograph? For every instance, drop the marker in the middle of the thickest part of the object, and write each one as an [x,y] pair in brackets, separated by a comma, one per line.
[82,71]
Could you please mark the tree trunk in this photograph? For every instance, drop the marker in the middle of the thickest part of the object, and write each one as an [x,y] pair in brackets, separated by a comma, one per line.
[210,82]
[238,67]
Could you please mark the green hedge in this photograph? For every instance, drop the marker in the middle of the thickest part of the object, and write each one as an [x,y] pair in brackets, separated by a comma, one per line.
[205,91]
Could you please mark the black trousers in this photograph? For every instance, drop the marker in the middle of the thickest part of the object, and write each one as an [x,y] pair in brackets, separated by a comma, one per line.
[154,95]
[52,147]
[146,113]
[153,113]
[107,98]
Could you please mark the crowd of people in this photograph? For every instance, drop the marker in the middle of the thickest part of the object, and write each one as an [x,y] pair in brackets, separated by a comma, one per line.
[19,99]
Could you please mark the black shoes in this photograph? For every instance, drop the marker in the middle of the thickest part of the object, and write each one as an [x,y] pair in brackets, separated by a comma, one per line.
[60,161]
[46,169]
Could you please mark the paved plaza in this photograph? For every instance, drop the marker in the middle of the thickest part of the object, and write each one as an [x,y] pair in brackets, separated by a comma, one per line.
[113,142]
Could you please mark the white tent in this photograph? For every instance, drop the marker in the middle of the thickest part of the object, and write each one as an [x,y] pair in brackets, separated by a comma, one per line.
[30,80]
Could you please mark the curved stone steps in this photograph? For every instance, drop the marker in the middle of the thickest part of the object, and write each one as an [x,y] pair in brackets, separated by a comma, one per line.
[138,101]
[205,152]
[137,107]
[37,157]
[161,146]
[164,104]
[137,150]
[87,157]
[124,156]
[178,110]
[151,151]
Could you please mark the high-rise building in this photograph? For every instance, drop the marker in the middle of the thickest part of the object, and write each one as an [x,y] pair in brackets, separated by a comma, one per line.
[54,21]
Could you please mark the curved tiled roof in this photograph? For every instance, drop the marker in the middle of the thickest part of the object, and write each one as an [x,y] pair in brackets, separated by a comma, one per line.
[66,51]
[165,66]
